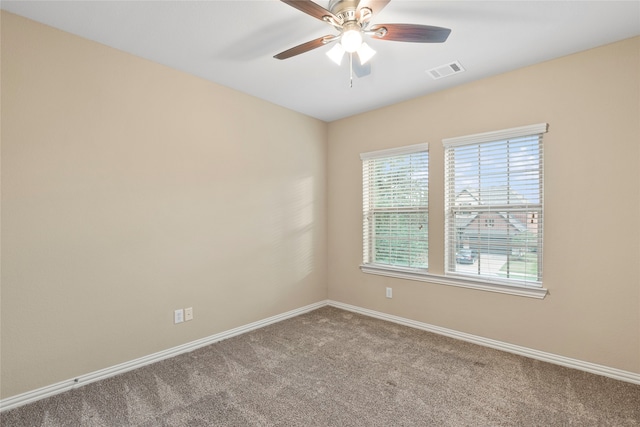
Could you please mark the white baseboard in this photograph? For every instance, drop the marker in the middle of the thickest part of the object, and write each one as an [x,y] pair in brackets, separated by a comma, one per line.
[47,391]
[593,368]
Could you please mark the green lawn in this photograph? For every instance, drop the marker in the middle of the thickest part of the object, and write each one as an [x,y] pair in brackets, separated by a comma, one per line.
[525,268]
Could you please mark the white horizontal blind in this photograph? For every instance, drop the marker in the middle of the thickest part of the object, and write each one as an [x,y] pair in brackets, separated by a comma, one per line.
[395,207]
[494,206]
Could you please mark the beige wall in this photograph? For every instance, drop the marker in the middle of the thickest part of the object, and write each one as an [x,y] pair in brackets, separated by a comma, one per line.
[129,190]
[591,101]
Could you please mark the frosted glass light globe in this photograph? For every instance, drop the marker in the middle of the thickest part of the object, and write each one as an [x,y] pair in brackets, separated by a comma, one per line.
[351,40]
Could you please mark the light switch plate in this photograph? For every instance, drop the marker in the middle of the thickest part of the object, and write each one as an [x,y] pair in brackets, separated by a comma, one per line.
[178,316]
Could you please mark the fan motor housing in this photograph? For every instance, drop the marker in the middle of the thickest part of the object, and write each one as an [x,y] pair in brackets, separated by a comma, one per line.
[344,9]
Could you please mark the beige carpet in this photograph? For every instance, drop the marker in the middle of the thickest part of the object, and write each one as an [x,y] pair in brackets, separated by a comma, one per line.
[334,368]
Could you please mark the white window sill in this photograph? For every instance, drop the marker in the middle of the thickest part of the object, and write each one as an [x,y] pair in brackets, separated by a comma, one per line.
[423,276]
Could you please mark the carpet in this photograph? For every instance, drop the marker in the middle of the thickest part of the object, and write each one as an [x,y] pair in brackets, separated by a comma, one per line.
[331,367]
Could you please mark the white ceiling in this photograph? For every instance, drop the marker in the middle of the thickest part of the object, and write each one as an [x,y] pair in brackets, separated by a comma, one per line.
[233,42]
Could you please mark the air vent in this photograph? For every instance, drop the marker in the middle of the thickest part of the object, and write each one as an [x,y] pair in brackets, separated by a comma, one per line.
[445,70]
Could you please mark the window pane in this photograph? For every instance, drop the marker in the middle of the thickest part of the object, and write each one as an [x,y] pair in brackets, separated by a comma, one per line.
[395,201]
[400,239]
[498,244]
[494,209]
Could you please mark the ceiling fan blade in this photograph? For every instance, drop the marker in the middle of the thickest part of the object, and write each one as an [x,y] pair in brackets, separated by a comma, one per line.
[305,47]
[311,8]
[375,5]
[409,33]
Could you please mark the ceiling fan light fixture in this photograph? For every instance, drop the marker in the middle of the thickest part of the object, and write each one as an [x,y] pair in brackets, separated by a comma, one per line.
[365,53]
[336,53]
[351,40]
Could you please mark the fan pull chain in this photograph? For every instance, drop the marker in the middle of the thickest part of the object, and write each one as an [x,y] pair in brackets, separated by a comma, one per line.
[351,70]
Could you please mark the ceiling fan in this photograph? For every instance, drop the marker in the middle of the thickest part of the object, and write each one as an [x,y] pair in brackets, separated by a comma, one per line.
[352,18]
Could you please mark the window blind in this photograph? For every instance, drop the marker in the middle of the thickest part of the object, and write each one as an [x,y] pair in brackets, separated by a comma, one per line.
[494,205]
[395,207]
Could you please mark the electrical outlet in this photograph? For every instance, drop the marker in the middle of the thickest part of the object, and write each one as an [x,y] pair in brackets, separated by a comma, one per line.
[188,314]
[389,293]
[178,316]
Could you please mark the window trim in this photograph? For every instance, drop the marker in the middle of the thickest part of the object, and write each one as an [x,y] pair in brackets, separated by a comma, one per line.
[454,280]
[397,151]
[498,135]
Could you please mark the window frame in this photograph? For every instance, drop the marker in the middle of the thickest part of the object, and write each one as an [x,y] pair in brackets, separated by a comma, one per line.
[369,212]
[453,208]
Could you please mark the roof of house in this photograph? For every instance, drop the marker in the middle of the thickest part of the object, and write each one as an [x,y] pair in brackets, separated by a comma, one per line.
[495,195]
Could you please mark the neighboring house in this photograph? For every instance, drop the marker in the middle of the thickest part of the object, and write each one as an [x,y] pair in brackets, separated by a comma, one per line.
[488,228]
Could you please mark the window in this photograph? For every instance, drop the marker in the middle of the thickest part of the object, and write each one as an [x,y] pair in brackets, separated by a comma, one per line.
[494,206]
[395,208]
